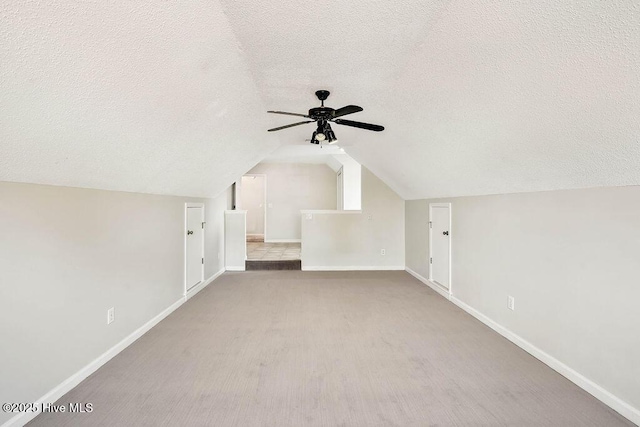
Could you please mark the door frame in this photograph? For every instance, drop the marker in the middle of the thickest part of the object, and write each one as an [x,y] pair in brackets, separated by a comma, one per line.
[264,203]
[340,188]
[186,212]
[431,206]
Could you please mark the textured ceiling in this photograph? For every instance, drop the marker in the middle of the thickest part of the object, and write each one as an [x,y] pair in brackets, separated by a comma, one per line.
[152,97]
[477,97]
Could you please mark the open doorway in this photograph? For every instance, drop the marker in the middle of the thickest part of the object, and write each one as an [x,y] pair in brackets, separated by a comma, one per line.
[263,253]
[254,201]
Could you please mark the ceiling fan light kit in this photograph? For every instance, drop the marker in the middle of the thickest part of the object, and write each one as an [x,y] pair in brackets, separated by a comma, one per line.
[323,116]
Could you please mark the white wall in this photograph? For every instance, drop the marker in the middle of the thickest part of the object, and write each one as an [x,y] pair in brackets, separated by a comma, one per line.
[235,230]
[292,187]
[214,233]
[570,258]
[66,256]
[345,240]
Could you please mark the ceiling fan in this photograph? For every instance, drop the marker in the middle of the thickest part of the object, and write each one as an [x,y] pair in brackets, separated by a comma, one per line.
[323,116]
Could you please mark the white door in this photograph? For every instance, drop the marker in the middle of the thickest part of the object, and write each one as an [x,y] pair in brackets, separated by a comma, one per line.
[194,246]
[440,223]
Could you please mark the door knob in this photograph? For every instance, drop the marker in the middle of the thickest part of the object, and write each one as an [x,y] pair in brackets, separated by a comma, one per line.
[445,233]
[189,232]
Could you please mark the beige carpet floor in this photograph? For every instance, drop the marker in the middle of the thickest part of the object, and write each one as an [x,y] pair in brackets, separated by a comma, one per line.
[290,348]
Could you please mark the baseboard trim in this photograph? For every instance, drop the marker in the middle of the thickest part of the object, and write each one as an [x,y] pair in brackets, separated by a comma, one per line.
[75,379]
[439,289]
[200,286]
[615,403]
[282,240]
[234,268]
[352,268]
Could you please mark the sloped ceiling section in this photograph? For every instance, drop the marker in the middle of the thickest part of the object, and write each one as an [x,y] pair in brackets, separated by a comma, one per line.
[518,96]
[152,97]
[477,96]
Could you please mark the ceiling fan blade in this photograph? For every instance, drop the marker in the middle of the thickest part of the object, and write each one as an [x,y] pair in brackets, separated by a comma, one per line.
[288,114]
[368,126]
[290,126]
[349,109]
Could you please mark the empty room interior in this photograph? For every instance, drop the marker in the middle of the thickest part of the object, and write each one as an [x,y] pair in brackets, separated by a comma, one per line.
[362,213]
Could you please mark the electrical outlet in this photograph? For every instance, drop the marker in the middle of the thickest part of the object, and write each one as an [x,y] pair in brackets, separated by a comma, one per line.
[511,303]
[111,316]
[383,252]
[369,217]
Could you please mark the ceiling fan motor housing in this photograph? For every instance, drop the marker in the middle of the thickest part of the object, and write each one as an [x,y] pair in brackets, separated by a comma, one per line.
[321,113]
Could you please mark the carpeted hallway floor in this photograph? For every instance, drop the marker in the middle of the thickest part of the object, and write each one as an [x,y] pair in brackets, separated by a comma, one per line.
[291,348]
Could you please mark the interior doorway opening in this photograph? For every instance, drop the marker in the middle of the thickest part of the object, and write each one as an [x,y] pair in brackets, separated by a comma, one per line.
[254,201]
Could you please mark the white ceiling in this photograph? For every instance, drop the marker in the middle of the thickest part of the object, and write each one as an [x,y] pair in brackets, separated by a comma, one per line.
[477,97]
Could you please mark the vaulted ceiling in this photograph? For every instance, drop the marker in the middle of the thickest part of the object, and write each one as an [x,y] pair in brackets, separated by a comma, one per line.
[477,97]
